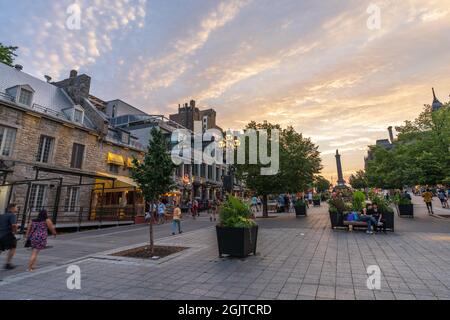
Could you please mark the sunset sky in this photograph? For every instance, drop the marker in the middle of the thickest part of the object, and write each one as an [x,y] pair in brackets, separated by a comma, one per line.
[311,64]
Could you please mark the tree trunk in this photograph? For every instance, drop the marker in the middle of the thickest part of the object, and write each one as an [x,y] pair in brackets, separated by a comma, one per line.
[152,243]
[265,207]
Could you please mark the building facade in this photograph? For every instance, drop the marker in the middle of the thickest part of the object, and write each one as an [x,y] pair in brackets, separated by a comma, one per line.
[59,152]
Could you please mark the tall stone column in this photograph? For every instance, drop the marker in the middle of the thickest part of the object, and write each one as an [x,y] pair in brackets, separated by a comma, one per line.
[341,181]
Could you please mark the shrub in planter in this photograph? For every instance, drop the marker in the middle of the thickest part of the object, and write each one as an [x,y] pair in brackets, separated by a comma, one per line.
[237,233]
[337,207]
[300,208]
[405,207]
[316,200]
[358,201]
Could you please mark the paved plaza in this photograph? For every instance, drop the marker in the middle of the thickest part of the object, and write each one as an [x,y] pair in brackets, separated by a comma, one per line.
[298,258]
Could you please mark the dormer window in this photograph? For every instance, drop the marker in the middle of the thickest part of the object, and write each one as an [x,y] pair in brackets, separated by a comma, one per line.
[23,94]
[25,97]
[78,115]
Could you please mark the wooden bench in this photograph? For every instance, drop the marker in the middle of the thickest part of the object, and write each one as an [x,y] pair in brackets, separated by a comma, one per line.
[361,224]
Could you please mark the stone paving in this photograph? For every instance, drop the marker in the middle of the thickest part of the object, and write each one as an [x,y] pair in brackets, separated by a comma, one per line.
[298,258]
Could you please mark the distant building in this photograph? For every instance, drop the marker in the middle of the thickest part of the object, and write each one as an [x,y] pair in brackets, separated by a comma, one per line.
[386,144]
[200,181]
[189,113]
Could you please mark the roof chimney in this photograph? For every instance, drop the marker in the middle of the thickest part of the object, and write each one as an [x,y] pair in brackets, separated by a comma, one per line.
[18,67]
[48,78]
[73,73]
[391,134]
[192,103]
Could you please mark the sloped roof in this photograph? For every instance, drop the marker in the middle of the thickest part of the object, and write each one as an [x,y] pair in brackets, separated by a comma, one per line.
[46,94]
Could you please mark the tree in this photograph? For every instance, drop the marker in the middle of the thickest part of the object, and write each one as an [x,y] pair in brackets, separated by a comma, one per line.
[321,184]
[358,180]
[154,174]
[7,54]
[421,154]
[298,163]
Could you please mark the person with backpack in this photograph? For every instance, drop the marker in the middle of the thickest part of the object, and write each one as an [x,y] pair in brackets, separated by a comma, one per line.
[8,229]
[36,236]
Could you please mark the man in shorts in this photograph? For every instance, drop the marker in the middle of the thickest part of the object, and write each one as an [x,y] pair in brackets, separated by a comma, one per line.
[8,228]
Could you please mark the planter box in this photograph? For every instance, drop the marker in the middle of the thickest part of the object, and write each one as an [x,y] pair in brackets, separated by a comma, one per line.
[406,210]
[336,219]
[300,210]
[316,203]
[237,242]
[389,217]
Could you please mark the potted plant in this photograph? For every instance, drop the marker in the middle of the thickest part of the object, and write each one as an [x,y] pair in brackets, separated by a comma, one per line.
[300,208]
[316,200]
[237,233]
[405,207]
[337,207]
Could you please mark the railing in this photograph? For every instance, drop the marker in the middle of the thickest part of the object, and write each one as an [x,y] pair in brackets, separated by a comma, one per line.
[49,111]
[6,96]
[78,217]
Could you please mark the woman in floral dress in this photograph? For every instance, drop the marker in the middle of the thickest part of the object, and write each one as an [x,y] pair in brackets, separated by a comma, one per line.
[37,233]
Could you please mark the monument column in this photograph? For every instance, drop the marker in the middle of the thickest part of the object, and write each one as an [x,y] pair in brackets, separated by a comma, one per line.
[341,181]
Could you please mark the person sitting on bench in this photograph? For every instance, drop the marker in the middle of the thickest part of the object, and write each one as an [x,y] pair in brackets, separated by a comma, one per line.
[374,212]
[369,220]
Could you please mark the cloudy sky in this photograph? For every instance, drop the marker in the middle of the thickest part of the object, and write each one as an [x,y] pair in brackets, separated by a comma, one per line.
[315,65]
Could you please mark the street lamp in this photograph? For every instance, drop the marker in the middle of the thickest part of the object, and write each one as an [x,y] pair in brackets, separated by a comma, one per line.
[230,142]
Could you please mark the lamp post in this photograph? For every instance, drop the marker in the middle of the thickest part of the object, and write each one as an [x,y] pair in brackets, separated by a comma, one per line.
[230,142]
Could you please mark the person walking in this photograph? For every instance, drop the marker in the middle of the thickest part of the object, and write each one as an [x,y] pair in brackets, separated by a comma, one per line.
[8,229]
[443,198]
[36,236]
[287,203]
[254,205]
[176,219]
[195,207]
[428,199]
[161,212]
[213,212]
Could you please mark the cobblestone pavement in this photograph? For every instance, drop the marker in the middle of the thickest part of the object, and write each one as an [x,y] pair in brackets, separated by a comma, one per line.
[298,258]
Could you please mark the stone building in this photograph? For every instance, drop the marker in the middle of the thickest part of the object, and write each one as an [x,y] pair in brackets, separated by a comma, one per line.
[194,181]
[189,113]
[58,151]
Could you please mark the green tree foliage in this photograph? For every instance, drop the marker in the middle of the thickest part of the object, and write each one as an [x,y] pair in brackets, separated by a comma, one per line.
[7,54]
[299,162]
[421,155]
[321,184]
[154,174]
[358,180]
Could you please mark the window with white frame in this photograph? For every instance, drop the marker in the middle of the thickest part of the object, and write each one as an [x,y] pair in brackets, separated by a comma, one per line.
[45,149]
[71,201]
[78,115]
[25,97]
[37,196]
[7,139]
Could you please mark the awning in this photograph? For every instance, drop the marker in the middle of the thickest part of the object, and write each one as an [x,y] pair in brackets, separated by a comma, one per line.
[115,159]
[120,182]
